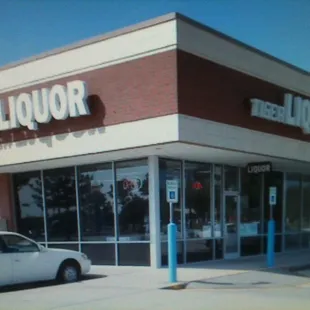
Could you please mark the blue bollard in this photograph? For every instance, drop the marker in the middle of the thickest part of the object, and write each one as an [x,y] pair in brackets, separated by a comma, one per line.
[270,243]
[172,252]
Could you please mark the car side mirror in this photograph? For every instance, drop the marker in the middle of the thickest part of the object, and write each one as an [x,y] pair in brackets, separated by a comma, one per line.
[42,248]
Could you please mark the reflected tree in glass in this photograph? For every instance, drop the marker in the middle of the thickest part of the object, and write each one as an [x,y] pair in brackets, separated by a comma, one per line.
[133,205]
[96,205]
[29,203]
[60,196]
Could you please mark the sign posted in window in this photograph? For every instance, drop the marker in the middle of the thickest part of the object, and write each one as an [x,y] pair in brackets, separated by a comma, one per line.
[272,196]
[172,191]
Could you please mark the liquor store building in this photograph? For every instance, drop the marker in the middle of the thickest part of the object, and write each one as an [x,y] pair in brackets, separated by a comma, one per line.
[91,133]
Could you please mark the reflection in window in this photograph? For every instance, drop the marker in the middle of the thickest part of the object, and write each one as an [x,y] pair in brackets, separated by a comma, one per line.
[273,179]
[169,170]
[306,213]
[231,178]
[100,254]
[251,213]
[306,204]
[198,201]
[133,200]
[29,205]
[96,202]
[218,228]
[134,254]
[293,203]
[251,204]
[198,211]
[61,211]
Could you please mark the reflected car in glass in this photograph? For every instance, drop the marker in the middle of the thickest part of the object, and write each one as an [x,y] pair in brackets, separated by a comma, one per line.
[22,260]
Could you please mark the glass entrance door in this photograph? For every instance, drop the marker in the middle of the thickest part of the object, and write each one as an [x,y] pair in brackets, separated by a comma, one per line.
[231,226]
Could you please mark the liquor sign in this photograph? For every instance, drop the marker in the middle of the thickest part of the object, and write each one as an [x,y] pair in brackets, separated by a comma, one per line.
[262,167]
[41,106]
[295,111]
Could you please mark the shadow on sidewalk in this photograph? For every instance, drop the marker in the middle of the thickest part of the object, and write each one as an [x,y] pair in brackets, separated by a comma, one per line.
[30,286]
[285,264]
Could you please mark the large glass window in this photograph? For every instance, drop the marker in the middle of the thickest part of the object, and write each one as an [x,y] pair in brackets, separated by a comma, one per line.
[231,178]
[48,210]
[169,170]
[218,212]
[198,216]
[132,181]
[293,203]
[100,253]
[29,205]
[96,202]
[61,210]
[273,179]
[306,213]
[133,200]
[251,213]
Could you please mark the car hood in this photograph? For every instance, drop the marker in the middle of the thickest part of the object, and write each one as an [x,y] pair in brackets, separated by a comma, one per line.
[63,251]
[60,250]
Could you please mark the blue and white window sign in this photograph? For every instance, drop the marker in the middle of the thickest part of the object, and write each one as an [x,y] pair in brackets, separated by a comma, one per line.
[172,191]
[272,196]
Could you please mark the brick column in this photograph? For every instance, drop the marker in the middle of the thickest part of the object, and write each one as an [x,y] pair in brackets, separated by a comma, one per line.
[6,201]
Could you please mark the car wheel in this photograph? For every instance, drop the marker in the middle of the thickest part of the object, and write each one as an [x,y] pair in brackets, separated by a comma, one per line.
[69,273]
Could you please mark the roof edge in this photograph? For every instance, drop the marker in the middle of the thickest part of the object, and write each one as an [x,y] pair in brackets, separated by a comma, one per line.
[204,27]
[112,34]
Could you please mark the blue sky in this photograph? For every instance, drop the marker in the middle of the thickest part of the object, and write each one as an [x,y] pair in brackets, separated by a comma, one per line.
[278,27]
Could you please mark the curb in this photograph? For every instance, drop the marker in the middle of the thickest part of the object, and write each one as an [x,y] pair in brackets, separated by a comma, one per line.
[176,286]
[293,269]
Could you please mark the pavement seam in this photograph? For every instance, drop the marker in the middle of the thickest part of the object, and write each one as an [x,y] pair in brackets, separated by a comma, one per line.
[294,271]
[251,288]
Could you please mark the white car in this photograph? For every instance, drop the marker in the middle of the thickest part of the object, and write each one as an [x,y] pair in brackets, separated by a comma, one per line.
[23,260]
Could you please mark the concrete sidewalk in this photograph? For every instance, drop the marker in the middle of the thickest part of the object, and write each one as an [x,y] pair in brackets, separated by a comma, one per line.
[145,277]
[134,288]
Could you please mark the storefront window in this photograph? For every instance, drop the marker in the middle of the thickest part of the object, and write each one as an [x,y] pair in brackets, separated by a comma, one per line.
[251,213]
[293,203]
[96,222]
[133,200]
[61,210]
[198,211]
[231,178]
[169,170]
[273,179]
[29,205]
[96,202]
[306,213]
[132,185]
[218,212]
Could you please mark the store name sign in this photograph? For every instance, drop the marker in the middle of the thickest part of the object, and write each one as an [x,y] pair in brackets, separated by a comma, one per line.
[41,106]
[294,112]
[262,167]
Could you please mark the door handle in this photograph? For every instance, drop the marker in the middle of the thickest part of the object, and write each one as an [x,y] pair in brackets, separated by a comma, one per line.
[17,260]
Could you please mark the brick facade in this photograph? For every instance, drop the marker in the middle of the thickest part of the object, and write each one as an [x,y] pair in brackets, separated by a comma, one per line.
[162,84]
[129,91]
[214,92]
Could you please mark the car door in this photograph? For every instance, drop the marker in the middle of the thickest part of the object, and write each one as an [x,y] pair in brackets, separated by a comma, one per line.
[6,273]
[29,263]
